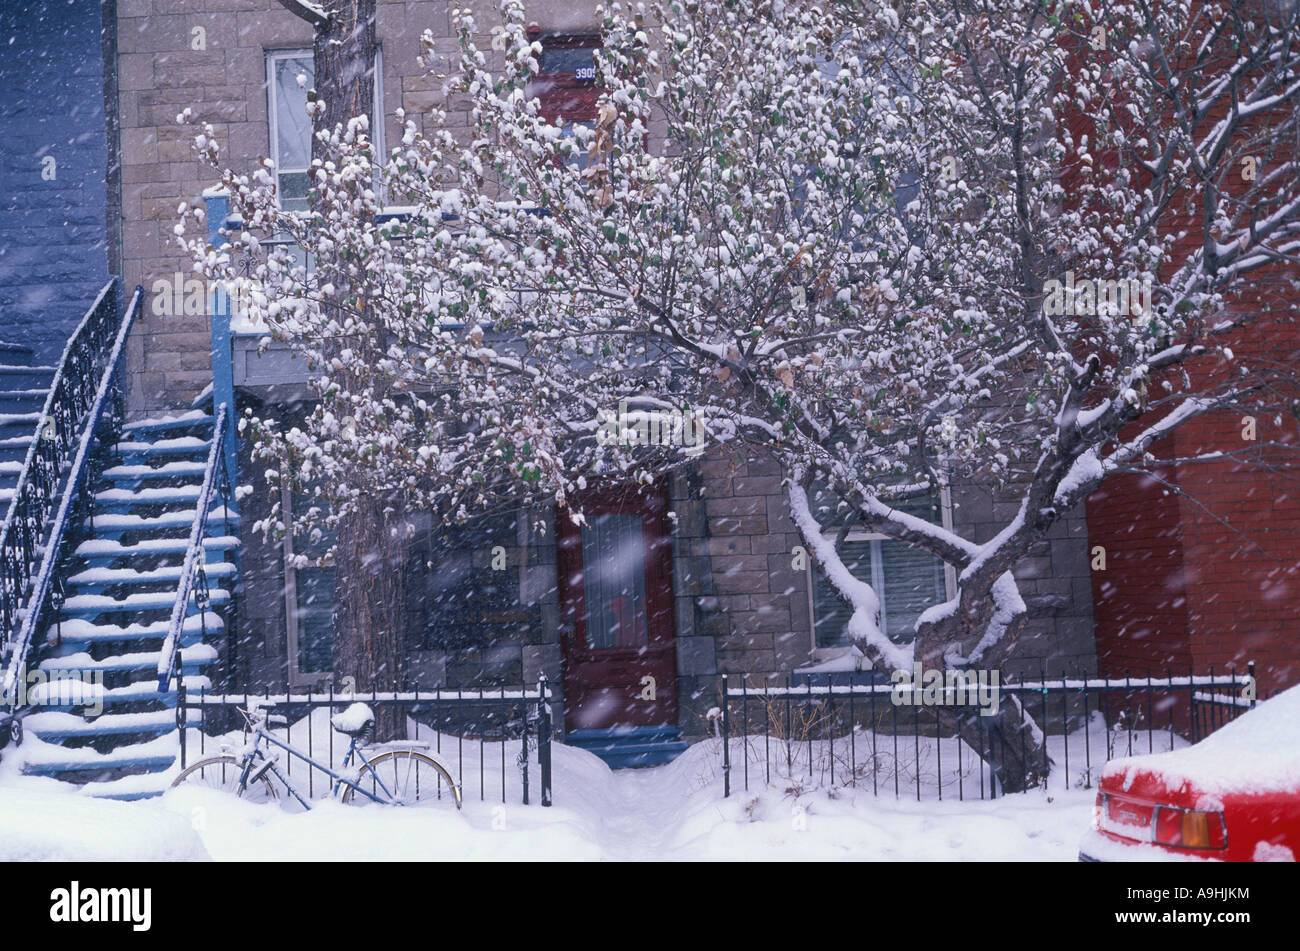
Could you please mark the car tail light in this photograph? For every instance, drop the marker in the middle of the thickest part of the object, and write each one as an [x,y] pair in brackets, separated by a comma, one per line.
[1190,828]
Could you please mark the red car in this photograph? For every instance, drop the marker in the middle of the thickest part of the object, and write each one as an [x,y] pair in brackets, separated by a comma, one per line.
[1233,797]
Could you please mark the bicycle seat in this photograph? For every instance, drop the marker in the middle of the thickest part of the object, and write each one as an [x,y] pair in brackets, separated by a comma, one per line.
[357,720]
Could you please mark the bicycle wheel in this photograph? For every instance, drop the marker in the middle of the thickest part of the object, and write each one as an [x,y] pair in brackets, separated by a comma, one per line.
[411,778]
[222,772]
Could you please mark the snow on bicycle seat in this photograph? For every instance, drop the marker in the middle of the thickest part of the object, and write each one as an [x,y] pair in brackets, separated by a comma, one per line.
[356,720]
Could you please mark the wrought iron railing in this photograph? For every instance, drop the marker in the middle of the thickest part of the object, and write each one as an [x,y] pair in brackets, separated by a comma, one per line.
[100,421]
[194,576]
[72,390]
[857,730]
[494,732]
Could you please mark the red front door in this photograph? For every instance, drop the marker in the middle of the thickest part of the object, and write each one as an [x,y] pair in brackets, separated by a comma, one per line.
[616,611]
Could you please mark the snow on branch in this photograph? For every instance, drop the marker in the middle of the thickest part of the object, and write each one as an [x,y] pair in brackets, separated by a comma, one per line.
[864,624]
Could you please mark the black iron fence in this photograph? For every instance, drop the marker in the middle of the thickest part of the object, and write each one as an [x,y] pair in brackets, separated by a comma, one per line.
[488,738]
[845,729]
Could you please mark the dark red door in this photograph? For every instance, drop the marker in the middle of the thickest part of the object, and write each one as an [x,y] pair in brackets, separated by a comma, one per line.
[616,611]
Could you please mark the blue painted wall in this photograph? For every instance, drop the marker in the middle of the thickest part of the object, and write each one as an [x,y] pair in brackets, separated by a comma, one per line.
[53,250]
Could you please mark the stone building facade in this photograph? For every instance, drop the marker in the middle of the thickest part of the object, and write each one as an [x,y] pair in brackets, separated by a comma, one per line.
[739,604]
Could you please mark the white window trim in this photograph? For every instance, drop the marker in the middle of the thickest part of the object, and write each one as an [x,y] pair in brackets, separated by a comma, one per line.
[376,114]
[824,654]
[297,678]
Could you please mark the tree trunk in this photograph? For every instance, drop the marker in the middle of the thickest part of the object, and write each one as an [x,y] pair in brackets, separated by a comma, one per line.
[369,615]
[369,595]
[1010,742]
[343,58]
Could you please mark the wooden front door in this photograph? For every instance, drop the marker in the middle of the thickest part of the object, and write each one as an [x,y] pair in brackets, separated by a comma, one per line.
[616,612]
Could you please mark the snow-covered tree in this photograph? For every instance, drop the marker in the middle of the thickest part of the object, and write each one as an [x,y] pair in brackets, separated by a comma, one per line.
[893,246]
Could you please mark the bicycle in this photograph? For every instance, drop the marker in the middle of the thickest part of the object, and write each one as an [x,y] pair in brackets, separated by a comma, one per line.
[414,776]
[11,726]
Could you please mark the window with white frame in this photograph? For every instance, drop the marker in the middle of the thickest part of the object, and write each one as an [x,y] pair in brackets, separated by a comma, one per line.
[907,580]
[291,126]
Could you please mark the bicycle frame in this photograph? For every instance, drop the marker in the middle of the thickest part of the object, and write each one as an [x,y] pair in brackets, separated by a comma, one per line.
[252,760]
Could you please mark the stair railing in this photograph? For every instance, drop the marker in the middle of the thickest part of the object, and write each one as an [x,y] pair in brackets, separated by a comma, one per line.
[71,391]
[78,414]
[194,575]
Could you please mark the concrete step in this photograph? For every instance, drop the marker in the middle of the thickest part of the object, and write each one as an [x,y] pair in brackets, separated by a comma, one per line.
[22,401]
[130,788]
[13,448]
[50,759]
[147,690]
[126,477]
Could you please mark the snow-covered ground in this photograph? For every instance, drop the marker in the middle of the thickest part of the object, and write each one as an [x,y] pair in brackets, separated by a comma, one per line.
[669,812]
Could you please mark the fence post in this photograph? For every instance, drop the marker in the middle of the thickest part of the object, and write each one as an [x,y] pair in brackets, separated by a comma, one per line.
[544,739]
[180,711]
[523,755]
[726,742]
[1254,685]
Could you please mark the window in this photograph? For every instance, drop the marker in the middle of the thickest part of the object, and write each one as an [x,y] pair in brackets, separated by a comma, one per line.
[906,579]
[309,602]
[291,126]
[565,85]
[453,606]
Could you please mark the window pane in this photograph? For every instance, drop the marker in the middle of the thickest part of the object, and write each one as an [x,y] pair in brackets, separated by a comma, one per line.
[579,62]
[913,582]
[293,125]
[314,608]
[293,191]
[315,619]
[830,614]
[613,581]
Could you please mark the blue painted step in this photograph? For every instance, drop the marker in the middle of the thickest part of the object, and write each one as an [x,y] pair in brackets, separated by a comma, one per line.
[130,452]
[630,746]
[194,419]
[113,525]
[97,580]
[96,605]
[102,551]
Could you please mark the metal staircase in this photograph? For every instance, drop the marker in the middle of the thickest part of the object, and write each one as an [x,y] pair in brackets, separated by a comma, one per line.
[23,389]
[124,593]
[115,608]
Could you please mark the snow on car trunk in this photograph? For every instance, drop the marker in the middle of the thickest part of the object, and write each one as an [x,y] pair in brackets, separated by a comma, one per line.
[1259,751]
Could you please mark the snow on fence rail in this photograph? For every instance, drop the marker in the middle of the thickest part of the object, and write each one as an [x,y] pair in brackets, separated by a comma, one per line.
[486,737]
[822,732]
